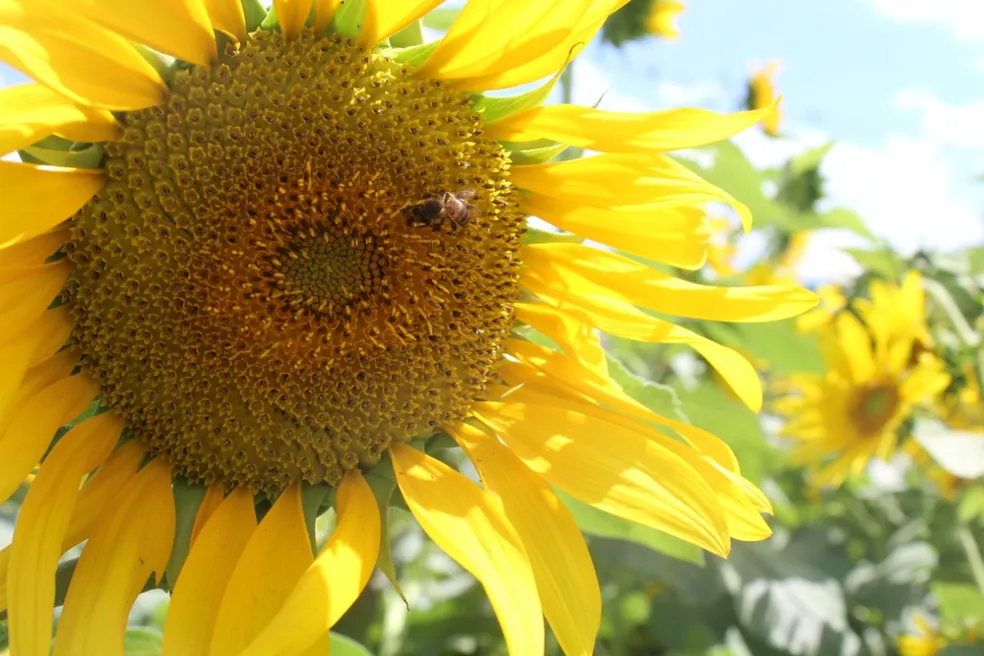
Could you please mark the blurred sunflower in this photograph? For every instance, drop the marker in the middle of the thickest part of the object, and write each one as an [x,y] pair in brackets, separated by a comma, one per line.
[782,270]
[662,18]
[843,418]
[639,19]
[898,311]
[762,93]
[295,254]
[925,642]
[832,301]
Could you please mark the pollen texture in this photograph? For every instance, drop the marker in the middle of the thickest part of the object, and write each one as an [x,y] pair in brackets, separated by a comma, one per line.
[248,289]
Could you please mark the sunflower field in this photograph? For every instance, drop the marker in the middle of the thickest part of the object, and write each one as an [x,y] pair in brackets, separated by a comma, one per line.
[381,328]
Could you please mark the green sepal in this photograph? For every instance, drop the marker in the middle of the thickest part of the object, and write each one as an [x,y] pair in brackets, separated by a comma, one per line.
[270,21]
[409,36]
[537,236]
[533,152]
[165,65]
[312,501]
[187,500]
[254,12]
[89,156]
[345,646]
[413,56]
[382,481]
[348,19]
[441,19]
[496,108]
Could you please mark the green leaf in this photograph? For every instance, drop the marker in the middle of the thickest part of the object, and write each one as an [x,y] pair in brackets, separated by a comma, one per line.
[496,108]
[533,152]
[597,522]
[86,157]
[882,262]
[661,399]
[187,499]
[786,591]
[142,641]
[312,499]
[960,650]
[414,55]
[959,452]
[345,646]
[959,602]
[383,484]
[441,19]
[411,35]
[785,349]
[537,236]
[254,12]
[732,171]
[348,18]
[839,217]
[809,159]
[971,505]
[270,21]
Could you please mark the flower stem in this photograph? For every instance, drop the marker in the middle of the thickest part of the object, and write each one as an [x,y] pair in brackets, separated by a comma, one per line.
[973,552]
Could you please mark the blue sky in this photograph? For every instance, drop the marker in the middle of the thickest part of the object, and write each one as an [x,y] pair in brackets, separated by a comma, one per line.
[897,84]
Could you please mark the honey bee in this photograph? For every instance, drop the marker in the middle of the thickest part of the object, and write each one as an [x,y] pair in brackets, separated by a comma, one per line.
[452,207]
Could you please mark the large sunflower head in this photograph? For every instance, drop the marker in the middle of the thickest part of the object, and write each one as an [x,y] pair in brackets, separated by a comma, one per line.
[252,263]
[854,411]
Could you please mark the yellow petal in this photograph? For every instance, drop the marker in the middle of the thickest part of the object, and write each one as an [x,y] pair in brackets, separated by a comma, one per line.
[324,11]
[612,180]
[385,18]
[127,547]
[291,14]
[578,340]
[76,57]
[461,520]
[50,333]
[214,496]
[547,62]
[38,197]
[856,345]
[25,298]
[488,39]
[37,378]
[30,112]
[32,252]
[16,355]
[613,469]
[622,132]
[596,306]
[33,423]
[567,266]
[41,527]
[565,576]
[227,17]
[676,235]
[329,587]
[276,555]
[180,28]
[205,573]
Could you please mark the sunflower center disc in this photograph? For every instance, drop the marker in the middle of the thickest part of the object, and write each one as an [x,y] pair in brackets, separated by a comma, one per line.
[252,291]
[875,407]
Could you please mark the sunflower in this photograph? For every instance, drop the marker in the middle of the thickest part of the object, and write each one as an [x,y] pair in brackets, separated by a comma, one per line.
[662,18]
[898,311]
[251,261]
[783,269]
[853,412]
[924,642]
[762,93]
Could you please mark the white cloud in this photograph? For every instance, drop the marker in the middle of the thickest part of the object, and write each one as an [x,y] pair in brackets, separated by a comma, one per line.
[964,17]
[700,94]
[951,125]
[904,193]
[592,83]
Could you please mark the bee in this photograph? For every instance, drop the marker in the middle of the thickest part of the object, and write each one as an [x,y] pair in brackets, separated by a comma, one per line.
[452,207]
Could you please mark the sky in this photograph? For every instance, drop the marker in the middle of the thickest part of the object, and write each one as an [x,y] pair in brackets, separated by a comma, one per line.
[898,85]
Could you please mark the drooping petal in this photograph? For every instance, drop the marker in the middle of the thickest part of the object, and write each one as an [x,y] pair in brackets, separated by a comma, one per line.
[617,179]
[16,358]
[385,18]
[37,378]
[39,197]
[32,252]
[487,38]
[596,306]
[227,16]
[623,132]
[33,424]
[677,235]
[76,57]
[329,587]
[50,333]
[41,527]
[612,468]
[25,298]
[461,520]
[562,567]
[577,339]
[30,112]
[291,14]
[273,560]
[214,496]
[205,574]
[180,28]
[566,266]
[127,548]
[324,11]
